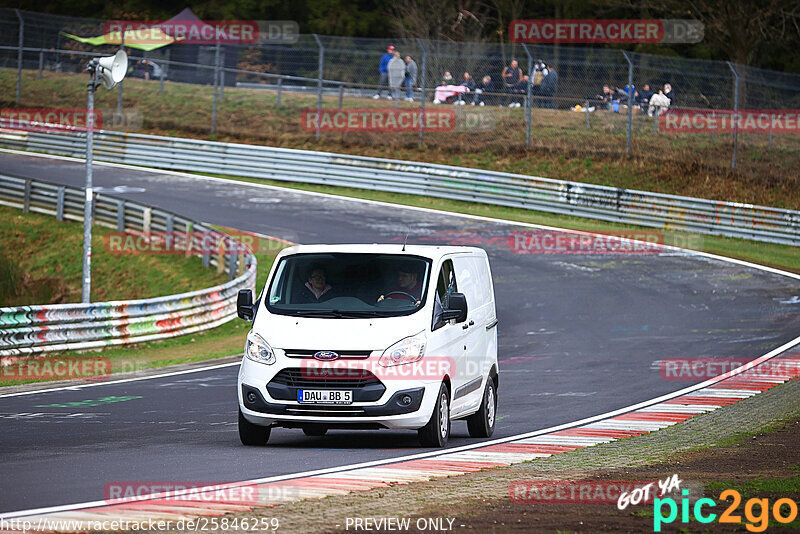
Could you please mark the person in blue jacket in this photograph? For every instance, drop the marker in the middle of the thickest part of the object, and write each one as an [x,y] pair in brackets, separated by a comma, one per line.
[383,68]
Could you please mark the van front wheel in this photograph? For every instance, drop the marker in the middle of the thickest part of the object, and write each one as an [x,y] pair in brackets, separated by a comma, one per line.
[436,432]
[251,434]
[481,423]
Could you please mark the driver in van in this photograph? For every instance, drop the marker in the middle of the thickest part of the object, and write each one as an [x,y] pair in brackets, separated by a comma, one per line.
[317,288]
[408,285]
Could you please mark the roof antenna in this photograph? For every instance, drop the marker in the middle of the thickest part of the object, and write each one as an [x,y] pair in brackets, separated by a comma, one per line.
[404,243]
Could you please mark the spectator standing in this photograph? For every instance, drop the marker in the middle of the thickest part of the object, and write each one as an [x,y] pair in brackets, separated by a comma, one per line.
[511,76]
[383,70]
[549,86]
[397,73]
[410,81]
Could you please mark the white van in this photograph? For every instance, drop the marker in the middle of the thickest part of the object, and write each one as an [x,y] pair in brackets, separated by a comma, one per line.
[371,336]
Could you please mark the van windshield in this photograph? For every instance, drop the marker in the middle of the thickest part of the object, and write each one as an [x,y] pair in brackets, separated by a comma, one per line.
[346,285]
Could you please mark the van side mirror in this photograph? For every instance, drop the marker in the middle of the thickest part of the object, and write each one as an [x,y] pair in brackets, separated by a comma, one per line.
[244,305]
[457,308]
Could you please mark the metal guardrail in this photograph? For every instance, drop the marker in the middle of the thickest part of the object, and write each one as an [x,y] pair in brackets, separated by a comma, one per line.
[628,206]
[57,327]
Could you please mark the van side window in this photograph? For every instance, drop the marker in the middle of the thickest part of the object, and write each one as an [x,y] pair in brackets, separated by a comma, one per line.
[445,286]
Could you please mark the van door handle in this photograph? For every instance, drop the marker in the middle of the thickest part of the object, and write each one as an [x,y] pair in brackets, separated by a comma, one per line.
[492,324]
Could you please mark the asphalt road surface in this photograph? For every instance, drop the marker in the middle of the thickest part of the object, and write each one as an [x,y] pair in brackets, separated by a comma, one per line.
[579,335]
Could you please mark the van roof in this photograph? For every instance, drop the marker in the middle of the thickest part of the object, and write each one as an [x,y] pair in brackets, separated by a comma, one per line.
[428,251]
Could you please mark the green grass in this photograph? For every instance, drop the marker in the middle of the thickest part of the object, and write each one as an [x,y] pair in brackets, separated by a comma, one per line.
[43,260]
[561,146]
[53,241]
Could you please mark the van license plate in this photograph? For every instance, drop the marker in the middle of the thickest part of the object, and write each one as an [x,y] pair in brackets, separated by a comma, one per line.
[324,396]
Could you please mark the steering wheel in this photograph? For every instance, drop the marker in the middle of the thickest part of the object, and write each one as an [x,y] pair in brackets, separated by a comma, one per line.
[402,293]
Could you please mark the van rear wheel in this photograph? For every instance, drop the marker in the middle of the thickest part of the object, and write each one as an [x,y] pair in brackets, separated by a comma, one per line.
[481,423]
[250,434]
[436,432]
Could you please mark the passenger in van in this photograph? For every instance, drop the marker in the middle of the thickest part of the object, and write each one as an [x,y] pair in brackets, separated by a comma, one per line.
[408,283]
[317,288]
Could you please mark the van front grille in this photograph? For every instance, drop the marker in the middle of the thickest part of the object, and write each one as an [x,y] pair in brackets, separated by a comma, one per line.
[343,354]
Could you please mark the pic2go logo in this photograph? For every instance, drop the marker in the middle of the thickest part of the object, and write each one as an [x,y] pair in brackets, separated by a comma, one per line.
[783,511]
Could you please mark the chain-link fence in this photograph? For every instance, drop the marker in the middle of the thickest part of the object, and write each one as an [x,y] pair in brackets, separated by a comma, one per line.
[461,96]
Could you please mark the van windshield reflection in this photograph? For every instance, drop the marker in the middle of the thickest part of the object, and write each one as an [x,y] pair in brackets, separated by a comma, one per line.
[343,285]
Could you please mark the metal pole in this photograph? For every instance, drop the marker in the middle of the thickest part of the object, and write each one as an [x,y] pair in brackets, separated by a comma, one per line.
[119,91]
[422,92]
[586,111]
[222,75]
[630,100]
[41,63]
[341,95]
[735,113]
[278,96]
[216,81]
[770,132]
[163,73]
[86,285]
[528,102]
[19,53]
[319,81]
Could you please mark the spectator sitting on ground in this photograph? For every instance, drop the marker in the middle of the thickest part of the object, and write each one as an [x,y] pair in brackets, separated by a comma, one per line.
[549,86]
[521,89]
[605,97]
[644,95]
[659,104]
[469,84]
[448,91]
[669,94]
[485,86]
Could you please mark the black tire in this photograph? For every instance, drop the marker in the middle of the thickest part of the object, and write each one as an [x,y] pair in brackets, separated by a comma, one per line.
[250,434]
[481,423]
[315,430]
[436,432]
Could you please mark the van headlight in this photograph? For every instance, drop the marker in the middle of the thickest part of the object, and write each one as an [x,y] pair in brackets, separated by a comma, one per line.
[258,350]
[407,350]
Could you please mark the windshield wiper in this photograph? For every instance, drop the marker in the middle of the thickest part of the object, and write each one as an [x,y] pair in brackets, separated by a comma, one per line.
[337,313]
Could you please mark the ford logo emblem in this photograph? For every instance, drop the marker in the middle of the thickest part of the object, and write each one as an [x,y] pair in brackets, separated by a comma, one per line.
[326,355]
